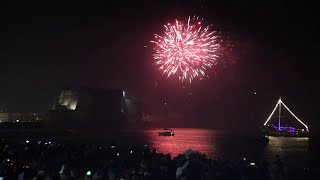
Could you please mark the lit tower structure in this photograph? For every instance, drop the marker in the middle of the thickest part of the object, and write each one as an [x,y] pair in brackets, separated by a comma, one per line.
[280,130]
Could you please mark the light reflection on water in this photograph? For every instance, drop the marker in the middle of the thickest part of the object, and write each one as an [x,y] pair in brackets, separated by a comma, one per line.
[292,149]
[202,140]
[221,145]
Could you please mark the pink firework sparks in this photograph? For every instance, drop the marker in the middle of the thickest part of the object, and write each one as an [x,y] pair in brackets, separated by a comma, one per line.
[186,49]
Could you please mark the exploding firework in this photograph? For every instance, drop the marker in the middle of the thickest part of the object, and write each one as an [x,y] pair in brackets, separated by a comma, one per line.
[187,49]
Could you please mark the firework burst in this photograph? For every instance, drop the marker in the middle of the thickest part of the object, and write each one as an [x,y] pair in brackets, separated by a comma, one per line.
[187,49]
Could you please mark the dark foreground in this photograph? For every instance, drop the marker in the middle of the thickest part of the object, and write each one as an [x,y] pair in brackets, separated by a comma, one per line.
[43,159]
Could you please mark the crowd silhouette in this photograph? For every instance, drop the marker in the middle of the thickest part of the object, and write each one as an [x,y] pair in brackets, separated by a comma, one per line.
[73,160]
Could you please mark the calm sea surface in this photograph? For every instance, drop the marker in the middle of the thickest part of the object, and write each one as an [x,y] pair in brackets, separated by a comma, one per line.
[295,152]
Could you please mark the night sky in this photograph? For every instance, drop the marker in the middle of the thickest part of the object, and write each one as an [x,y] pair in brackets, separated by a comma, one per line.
[49,45]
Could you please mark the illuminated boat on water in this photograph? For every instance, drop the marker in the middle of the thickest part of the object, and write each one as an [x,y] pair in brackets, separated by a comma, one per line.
[166,132]
[279,130]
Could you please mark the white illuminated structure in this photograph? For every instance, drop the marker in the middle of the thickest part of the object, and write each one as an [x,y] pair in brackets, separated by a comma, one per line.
[69,99]
[278,105]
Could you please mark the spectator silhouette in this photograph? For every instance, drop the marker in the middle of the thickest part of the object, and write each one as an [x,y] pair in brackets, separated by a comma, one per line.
[277,169]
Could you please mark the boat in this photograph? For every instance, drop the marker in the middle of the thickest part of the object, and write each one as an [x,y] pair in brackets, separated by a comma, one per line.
[270,129]
[285,131]
[166,132]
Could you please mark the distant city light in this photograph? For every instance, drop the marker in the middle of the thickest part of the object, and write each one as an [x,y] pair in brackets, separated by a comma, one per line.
[17,120]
